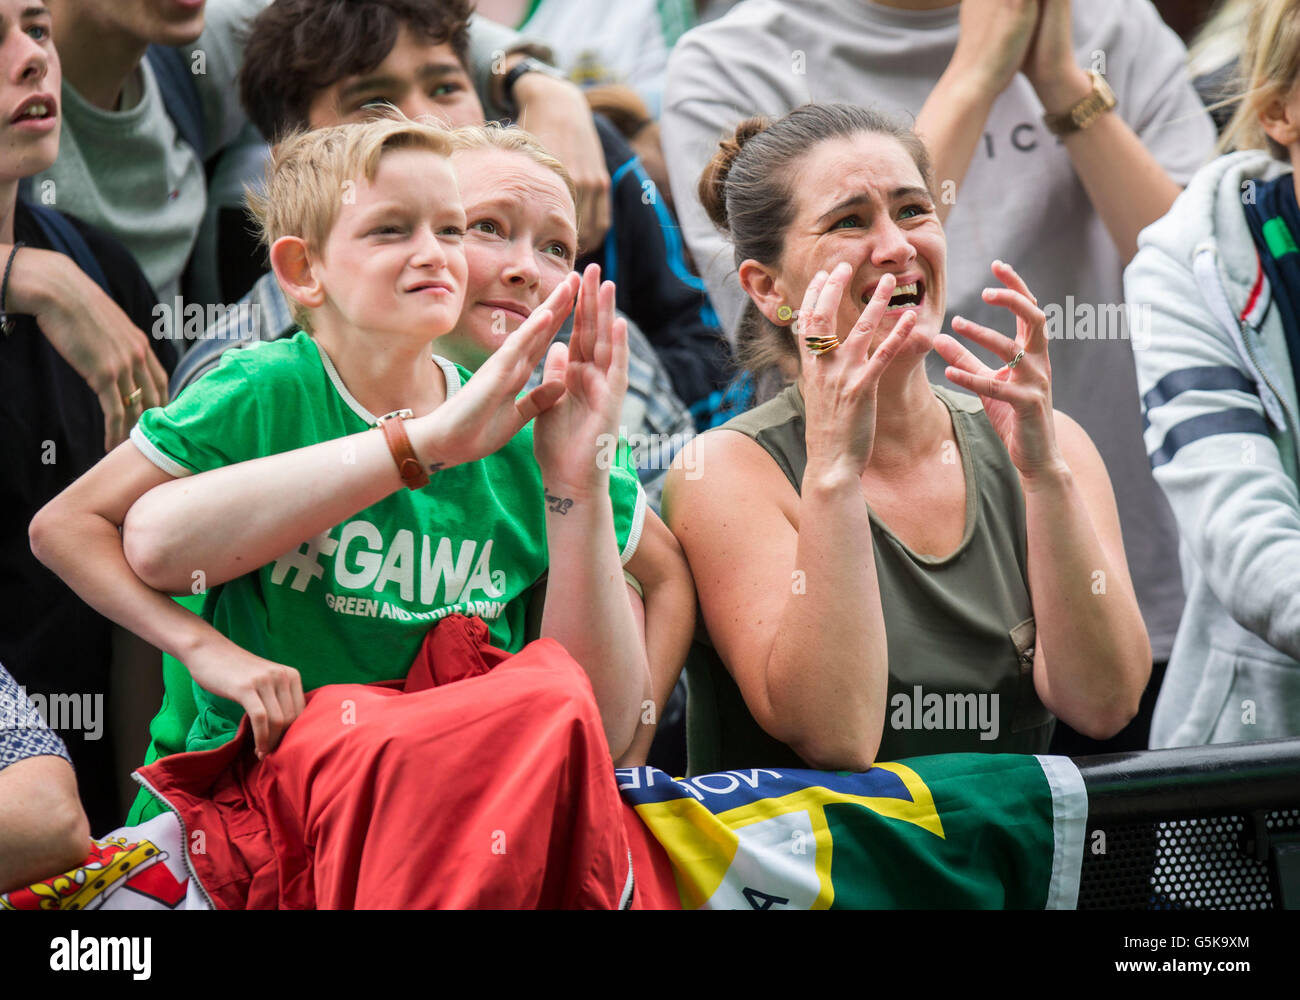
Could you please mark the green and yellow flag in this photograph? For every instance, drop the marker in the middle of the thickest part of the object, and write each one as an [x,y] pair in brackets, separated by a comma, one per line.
[955,831]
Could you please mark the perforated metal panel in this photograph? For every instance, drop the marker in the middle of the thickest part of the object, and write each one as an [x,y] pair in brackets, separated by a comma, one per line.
[1202,863]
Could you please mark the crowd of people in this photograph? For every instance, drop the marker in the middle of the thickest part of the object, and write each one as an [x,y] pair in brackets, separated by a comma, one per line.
[693,384]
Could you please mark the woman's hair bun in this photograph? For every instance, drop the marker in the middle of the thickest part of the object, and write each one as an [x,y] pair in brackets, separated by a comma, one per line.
[713,182]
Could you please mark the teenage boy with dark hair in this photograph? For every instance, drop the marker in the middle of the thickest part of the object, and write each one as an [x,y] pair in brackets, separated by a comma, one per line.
[139,130]
[313,63]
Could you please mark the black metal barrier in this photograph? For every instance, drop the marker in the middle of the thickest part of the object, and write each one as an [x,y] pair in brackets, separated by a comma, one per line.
[1212,827]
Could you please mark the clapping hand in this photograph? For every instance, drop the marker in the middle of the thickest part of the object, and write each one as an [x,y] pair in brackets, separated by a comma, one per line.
[486,413]
[1018,396]
[591,376]
[840,385]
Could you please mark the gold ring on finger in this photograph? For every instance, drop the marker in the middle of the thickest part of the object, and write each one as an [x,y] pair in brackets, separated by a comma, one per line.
[133,397]
[822,345]
[1016,360]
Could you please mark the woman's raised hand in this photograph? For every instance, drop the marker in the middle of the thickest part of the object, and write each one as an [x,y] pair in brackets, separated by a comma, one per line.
[572,435]
[1018,396]
[486,413]
[840,385]
[993,38]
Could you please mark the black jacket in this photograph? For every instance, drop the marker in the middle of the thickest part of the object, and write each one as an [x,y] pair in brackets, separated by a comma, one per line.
[643,255]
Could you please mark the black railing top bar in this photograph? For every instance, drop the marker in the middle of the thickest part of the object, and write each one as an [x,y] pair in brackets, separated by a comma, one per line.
[1183,782]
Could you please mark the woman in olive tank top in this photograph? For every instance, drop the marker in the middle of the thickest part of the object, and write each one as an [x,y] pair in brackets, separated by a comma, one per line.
[886,567]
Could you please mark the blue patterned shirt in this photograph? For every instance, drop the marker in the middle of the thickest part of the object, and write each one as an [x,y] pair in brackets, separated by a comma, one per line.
[23,732]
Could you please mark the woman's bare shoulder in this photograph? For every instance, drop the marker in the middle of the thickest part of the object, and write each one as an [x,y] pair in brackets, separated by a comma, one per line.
[723,461]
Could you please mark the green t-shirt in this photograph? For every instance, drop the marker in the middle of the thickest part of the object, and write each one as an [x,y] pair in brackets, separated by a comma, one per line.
[353,604]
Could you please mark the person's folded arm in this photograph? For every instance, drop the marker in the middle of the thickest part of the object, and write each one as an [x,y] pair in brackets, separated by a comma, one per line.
[43,828]
[217,523]
[659,566]
[78,536]
[791,600]
[90,332]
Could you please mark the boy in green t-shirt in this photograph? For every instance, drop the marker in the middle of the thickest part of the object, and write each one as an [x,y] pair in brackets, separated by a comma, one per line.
[325,568]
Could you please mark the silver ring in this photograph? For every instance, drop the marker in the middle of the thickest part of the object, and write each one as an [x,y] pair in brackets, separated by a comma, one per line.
[1016,360]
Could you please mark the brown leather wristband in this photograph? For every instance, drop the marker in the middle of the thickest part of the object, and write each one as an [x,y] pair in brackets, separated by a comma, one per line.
[413,474]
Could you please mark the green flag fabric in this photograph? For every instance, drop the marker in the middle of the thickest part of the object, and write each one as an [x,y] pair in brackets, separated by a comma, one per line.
[954,831]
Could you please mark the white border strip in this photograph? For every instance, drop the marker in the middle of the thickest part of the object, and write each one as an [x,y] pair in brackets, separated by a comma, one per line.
[347,397]
[152,452]
[450,373]
[638,524]
[1069,827]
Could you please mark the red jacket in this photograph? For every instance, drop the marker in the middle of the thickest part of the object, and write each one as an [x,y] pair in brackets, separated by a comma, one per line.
[482,781]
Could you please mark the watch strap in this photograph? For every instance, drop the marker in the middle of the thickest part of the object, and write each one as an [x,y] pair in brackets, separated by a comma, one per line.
[414,475]
[525,65]
[1085,111]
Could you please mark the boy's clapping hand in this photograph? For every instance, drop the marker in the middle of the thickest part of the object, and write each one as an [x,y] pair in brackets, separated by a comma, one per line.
[486,413]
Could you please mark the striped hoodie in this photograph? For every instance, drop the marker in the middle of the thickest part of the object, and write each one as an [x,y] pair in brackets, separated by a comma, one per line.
[1220,425]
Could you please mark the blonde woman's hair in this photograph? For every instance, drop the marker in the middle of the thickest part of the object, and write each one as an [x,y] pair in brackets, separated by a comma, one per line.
[1268,70]
[310,174]
[1220,38]
[514,140]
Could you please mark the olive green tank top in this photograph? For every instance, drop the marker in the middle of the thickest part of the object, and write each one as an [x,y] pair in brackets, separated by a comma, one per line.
[959,629]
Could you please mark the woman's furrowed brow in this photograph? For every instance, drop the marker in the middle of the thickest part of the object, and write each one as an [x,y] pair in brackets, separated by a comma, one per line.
[862,198]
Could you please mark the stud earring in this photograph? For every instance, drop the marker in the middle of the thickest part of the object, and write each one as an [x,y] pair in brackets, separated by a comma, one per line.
[785,314]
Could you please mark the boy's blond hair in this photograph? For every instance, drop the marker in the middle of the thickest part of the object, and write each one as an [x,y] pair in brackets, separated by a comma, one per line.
[310,176]
[1268,70]
[515,140]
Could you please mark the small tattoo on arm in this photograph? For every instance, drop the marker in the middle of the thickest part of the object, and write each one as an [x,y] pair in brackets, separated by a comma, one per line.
[436,467]
[557,505]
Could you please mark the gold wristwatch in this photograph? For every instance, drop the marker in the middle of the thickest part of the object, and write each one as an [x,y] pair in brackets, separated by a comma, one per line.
[1087,111]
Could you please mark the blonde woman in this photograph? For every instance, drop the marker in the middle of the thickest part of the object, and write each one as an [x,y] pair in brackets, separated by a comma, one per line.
[1219,275]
